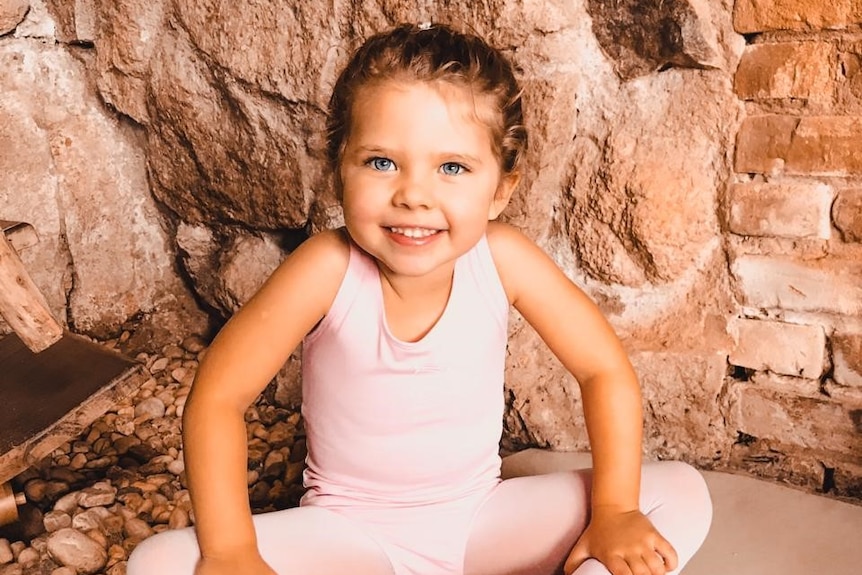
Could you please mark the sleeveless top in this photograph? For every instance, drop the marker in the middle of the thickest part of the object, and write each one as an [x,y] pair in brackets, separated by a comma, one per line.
[401,423]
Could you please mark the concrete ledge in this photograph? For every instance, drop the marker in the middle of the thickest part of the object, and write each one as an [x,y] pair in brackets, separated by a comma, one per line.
[759,528]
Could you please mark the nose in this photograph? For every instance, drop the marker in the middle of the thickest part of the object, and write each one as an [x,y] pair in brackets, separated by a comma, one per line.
[413,191]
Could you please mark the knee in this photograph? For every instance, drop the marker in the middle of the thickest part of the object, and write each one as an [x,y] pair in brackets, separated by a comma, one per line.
[145,557]
[689,487]
[164,553]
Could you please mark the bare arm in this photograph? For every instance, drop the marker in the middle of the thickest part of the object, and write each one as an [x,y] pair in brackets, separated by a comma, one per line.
[242,359]
[578,334]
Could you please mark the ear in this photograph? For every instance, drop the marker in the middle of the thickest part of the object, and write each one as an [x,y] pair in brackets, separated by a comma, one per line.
[503,194]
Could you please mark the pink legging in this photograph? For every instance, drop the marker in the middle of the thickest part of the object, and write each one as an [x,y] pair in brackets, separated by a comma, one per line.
[527,526]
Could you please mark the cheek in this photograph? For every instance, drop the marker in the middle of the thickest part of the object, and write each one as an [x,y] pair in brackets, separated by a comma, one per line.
[356,207]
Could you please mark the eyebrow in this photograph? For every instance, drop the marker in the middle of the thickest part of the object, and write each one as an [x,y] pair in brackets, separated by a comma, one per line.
[449,156]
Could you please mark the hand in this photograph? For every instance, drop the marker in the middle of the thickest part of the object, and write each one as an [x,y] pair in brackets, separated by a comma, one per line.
[243,564]
[625,542]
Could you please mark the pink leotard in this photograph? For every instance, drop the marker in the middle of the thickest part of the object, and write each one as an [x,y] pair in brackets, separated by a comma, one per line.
[403,468]
[403,437]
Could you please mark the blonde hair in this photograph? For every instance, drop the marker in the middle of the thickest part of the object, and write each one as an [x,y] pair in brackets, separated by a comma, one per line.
[433,54]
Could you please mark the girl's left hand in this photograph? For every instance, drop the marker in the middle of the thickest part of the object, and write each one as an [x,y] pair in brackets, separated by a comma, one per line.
[626,543]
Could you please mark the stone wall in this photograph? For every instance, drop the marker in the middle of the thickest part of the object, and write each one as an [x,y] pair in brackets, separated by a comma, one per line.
[77,172]
[692,167]
[793,217]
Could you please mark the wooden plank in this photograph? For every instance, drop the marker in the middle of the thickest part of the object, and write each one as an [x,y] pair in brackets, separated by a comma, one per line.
[20,234]
[53,396]
[22,305]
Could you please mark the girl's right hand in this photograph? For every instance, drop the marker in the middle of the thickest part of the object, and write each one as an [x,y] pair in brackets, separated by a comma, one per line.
[252,564]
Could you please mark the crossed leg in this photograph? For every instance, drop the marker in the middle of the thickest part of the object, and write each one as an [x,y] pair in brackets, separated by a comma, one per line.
[530,524]
[300,540]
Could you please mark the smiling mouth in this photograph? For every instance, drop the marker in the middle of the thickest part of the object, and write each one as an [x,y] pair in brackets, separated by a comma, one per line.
[415,233]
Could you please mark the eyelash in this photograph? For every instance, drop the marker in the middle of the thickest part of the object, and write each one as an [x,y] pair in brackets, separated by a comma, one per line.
[372,163]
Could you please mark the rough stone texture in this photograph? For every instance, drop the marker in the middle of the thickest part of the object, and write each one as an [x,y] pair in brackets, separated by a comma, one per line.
[621,197]
[682,399]
[764,15]
[220,151]
[816,146]
[849,86]
[126,39]
[37,23]
[12,12]
[789,349]
[245,266]
[847,214]
[815,470]
[847,358]
[803,70]
[83,172]
[74,21]
[785,209]
[227,271]
[76,550]
[543,402]
[806,422]
[646,36]
[830,285]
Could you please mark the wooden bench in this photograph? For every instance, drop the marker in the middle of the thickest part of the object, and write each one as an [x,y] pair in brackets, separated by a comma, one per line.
[53,383]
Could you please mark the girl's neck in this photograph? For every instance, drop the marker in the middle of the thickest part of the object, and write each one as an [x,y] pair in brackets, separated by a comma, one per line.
[414,305]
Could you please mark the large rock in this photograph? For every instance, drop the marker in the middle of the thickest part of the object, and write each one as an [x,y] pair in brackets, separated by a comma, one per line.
[644,36]
[79,175]
[12,12]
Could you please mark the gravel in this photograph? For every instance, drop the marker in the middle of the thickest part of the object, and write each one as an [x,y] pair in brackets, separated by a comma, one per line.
[95,498]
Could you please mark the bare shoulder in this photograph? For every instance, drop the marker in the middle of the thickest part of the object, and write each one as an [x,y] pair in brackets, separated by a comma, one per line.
[311,275]
[516,257]
[324,255]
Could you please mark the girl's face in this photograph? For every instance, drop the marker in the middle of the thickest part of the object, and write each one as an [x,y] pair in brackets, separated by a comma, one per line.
[419,176]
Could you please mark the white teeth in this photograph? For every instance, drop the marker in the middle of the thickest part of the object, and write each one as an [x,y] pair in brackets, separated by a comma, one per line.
[414,232]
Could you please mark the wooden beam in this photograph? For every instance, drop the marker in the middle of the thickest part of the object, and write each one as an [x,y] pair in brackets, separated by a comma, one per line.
[22,305]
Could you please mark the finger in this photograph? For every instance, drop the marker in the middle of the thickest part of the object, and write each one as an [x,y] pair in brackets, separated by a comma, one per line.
[667,553]
[638,566]
[618,566]
[655,563]
[578,555]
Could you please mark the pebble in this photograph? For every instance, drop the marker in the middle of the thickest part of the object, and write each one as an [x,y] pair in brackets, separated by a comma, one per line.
[74,549]
[99,495]
[151,408]
[159,365]
[56,520]
[96,497]
[28,556]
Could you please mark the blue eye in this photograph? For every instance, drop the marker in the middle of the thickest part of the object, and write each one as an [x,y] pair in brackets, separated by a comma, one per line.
[381,164]
[452,168]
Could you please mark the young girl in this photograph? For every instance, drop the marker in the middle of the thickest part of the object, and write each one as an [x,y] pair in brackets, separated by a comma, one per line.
[403,319]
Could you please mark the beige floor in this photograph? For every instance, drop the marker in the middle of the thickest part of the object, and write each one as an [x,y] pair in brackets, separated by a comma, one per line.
[759,528]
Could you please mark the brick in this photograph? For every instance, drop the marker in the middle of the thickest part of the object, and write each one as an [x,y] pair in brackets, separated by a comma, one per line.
[817,145]
[784,348]
[788,209]
[800,70]
[847,359]
[812,423]
[830,285]
[751,16]
[847,215]
[763,142]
